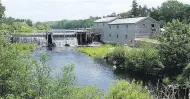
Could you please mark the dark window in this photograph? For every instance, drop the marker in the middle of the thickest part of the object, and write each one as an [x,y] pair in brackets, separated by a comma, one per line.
[143,25]
[117,26]
[110,26]
[152,25]
[127,26]
[126,36]
[117,36]
[109,35]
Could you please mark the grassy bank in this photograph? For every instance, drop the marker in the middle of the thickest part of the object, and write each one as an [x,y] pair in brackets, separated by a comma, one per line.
[97,52]
[23,48]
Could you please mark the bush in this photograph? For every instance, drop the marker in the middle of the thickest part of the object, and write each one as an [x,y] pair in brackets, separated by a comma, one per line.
[117,56]
[125,90]
[144,59]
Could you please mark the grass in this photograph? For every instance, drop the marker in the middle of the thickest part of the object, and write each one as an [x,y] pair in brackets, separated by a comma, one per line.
[97,52]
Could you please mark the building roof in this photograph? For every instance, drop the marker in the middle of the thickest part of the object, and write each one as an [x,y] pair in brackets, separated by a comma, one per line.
[107,19]
[128,20]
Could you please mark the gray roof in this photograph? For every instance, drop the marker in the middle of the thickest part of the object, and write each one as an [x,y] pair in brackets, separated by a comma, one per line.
[108,19]
[127,20]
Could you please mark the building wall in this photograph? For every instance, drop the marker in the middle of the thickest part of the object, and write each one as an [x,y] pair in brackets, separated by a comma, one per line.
[121,34]
[126,32]
[144,28]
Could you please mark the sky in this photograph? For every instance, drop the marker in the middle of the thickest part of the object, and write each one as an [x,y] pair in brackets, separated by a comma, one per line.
[52,10]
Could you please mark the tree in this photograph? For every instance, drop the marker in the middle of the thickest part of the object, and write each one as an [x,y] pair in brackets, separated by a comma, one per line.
[126,14]
[29,22]
[2,10]
[170,10]
[134,10]
[144,11]
[112,15]
[175,47]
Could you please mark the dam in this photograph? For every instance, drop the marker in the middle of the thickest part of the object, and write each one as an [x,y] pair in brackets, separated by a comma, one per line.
[58,37]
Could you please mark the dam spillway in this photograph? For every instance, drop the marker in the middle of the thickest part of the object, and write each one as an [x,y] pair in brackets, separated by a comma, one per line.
[57,37]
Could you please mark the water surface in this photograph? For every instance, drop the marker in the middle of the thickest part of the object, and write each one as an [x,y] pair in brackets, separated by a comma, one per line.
[88,71]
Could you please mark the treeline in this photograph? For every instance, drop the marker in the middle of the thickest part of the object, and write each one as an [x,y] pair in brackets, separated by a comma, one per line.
[169,10]
[12,25]
[72,24]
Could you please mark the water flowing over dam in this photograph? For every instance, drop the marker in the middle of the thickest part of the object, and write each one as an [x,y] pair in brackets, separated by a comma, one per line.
[57,38]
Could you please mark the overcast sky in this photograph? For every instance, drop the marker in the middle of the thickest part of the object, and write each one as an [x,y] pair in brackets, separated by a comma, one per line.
[50,10]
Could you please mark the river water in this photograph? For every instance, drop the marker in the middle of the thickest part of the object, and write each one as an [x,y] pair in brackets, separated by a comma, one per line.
[88,71]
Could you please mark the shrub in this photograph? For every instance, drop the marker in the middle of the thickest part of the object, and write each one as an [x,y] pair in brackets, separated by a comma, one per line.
[175,47]
[144,59]
[125,90]
[117,56]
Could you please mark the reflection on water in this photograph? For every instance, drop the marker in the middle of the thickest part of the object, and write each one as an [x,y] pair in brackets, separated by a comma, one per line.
[88,71]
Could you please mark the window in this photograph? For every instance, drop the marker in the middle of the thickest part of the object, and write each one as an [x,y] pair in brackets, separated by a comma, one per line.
[117,36]
[117,26]
[143,25]
[126,36]
[103,24]
[126,26]
[110,26]
[152,25]
[97,24]
[109,35]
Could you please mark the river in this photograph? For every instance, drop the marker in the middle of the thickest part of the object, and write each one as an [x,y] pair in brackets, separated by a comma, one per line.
[88,71]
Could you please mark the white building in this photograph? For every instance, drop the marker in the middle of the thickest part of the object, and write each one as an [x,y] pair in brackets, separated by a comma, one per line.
[124,31]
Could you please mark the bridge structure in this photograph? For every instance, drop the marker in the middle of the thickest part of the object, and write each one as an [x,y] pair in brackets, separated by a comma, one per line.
[58,37]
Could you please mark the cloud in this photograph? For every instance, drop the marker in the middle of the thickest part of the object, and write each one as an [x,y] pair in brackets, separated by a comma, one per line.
[46,10]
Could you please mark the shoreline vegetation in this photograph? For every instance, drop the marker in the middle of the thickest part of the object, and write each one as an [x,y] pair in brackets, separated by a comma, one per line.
[97,52]
[24,77]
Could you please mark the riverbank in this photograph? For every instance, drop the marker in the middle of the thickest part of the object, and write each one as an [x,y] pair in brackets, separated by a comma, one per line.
[97,52]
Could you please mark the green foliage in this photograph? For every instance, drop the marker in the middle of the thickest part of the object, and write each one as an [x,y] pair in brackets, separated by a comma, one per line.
[23,48]
[125,90]
[97,52]
[4,28]
[118,56]
[166,80]
[136,11]
[186,72]
[2,10]
[72,24]
[144,59]
[172,9]
[175,47]
[42,26]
